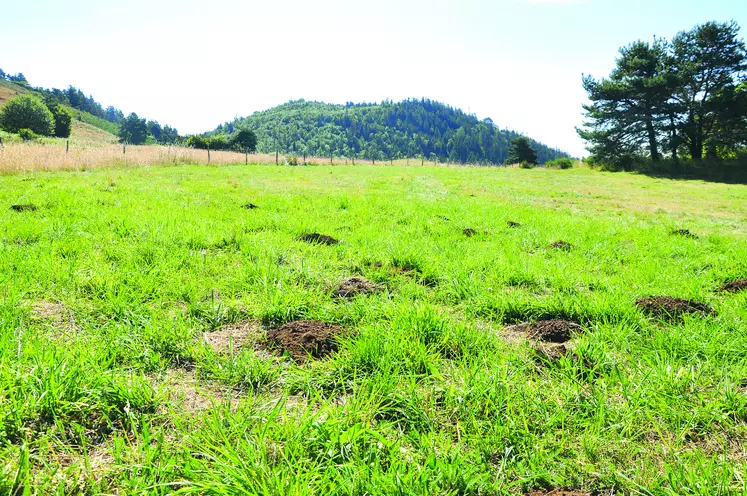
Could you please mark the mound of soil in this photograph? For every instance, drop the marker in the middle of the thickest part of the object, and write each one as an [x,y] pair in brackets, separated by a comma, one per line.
[667,306]
[561,245]
[469,232]
[354,286]
[734,286]
[547,331]
[319,239]
[684,233]
[302,339]
[513,224]
[24,208]
[553,331]
[250,206]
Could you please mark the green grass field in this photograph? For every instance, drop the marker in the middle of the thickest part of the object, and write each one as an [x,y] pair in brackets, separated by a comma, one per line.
[135,303]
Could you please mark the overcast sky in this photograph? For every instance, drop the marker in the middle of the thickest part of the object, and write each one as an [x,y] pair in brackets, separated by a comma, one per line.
[194,64]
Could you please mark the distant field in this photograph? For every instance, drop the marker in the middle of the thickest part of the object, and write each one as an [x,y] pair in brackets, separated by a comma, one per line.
[92,148]
[144,313]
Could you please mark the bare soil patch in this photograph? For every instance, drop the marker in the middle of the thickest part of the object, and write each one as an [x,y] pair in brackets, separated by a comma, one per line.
[513,224]
[353,286]
[561,245]
[564,492]
[24,208]
[302,339]
[233,337]
[56,316]
[734,286]
[549,331]
[685,233]
[319,239]
[186,392]
[550,339]
[250,206]
[667,306]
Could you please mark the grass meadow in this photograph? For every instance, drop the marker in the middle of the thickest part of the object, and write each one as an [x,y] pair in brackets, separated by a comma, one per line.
[135,305]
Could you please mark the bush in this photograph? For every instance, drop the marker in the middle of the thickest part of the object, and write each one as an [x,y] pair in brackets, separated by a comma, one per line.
[198,142]
[560,163]
[292,159]
[27,112]
[27,134]
[526,165]
[63,121]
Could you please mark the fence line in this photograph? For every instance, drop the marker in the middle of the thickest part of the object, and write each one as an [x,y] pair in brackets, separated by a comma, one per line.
[18,157]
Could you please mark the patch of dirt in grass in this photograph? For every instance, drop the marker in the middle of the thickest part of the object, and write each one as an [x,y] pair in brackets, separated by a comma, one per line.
[685,233]
[561,245]
[513,224]
[353,286]
[250,206]
[185,392]
[734,286]
[302,339]
[547,331]
[234,336]
[564,492]
[319,239]
[469,232]
[550,339]
[55,315]
[24,208]
[667,306]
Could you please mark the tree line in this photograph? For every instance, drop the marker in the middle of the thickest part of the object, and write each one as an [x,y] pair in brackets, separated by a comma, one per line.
[668,104]
[386,131]
[130,129]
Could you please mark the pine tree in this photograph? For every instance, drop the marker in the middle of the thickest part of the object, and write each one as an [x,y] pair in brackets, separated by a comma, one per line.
[521,151]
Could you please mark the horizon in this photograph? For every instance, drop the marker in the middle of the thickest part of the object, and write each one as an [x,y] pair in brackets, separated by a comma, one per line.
[465,57]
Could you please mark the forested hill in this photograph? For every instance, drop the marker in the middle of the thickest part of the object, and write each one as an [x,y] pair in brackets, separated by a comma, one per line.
[411,128]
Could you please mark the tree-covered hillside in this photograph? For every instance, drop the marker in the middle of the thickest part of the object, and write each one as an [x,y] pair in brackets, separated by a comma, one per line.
[411,128]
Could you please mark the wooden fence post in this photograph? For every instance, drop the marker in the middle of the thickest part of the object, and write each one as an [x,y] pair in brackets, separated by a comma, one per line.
[67,145]
[208,154]
[246,156]
[276,157]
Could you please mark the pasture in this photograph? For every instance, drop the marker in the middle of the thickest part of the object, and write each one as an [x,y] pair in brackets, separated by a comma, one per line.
[181,330]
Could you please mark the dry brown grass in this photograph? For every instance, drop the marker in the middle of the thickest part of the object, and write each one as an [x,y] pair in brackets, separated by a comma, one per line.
[20,157]
[24,157]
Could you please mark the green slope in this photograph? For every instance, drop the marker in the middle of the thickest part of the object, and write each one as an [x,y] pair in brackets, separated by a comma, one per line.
[104,132]
[411,128]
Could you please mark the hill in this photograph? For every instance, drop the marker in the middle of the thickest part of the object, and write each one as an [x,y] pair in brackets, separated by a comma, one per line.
[87,129]
[86,111]
[411,128]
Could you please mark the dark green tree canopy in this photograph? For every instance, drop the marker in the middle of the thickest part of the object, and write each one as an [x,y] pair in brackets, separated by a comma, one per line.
[521,151]
[26,112]
[245,140]
[678,99]
[133,130]
[385,131]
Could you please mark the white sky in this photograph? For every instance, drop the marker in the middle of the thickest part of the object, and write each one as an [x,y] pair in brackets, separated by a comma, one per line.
[194,64]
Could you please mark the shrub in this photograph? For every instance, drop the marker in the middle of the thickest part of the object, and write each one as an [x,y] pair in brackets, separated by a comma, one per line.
[63,121]
[198,142]
[292,159]
[244,140]
[26,112]
[560,163]
[526,165]
[27,134]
